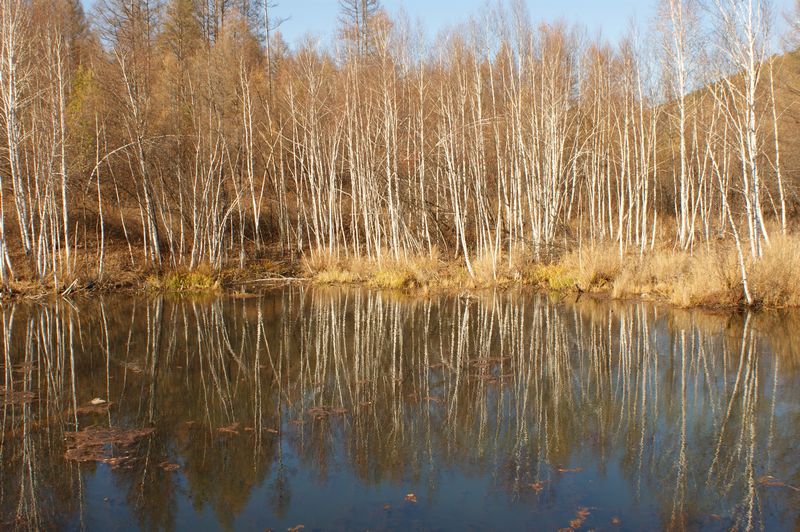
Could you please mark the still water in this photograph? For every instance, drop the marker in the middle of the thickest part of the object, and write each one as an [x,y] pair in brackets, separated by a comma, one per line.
[350,409]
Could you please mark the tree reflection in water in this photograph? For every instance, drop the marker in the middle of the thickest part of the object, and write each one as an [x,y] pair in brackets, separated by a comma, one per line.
[681,419]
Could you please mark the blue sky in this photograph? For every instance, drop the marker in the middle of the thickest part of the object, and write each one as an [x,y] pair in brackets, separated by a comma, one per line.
[318,18]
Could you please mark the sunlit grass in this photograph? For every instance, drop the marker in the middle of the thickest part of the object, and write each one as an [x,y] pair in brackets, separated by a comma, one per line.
[394,279]
[708,276]
[551,276]
[186,281]
[335,276]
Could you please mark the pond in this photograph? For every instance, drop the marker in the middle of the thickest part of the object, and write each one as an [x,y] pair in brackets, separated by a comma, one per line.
[331,408]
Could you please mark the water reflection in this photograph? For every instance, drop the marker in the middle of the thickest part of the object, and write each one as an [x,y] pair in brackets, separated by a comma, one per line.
[326,407]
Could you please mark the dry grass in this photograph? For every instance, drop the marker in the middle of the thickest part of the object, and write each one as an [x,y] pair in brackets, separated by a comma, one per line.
[707,277]
[593,268]
[394,278]
[702,278]
[335,276]
[388,273]
[551,276]
[775,278]
[183,281]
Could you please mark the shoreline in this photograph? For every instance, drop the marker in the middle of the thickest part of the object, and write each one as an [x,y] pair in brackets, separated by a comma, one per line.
[703,280]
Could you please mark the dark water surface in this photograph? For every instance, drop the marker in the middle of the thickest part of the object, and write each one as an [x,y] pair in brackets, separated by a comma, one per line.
[346,409]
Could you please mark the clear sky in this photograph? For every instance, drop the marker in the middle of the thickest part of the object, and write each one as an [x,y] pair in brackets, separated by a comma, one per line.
[319,18]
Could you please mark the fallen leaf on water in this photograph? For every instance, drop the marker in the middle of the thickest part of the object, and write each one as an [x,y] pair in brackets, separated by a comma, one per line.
[580,517]
[230,429]
[573,470]
[616,521]
[411,498]
[387,506]
[538,485]
[94,444]
[117,461]
[167,466]
[97,401]
[132,367]
[11,397]
[769,480]
[94,408]
[319,411]
[296,528]
[22,367]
